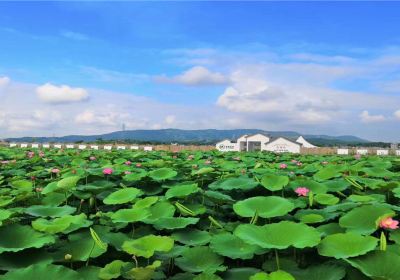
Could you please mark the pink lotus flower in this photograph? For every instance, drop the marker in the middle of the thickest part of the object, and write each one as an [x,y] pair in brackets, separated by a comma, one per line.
[92,158]
[41,154]
[138,165]
[302,191]
[299,163]
[294,161]
[128,162]
[33,178]
[357,156]
[107,171]
[207,162]
[5,162]
[324,162]
[127,172]
[283,166]
[190,157]
[236,158]
[55,170]
[389,223]
[31,154]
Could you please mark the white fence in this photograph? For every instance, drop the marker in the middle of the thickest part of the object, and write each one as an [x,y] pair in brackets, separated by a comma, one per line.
[80,146]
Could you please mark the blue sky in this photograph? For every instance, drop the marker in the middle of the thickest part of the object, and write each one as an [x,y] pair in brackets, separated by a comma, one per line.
[87,67]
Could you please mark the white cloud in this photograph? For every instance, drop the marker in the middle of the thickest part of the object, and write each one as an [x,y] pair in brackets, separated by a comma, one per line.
[170,119]
[4,81]
[74,35]
[195,76]
[366,117]
[397,114]
[60,94]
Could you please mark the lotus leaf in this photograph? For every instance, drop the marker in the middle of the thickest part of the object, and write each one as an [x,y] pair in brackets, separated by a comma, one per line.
[200,259]
[122,196]
[162,174]
[147,245]
[263,206]
[274,182]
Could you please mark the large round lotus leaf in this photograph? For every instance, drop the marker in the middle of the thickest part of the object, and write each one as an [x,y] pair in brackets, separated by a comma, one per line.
[15,238]
[89,272]
[361,198]
[378,172]
[192,237]
[276,275]
[130,215]
[181,190]
[80,246]
[122,196]
[60,224]
[54,199]
[311,218]
[112,270]
[135,176]
[329,229]
[337,185]
[229,245]
[145,202]
[49,211]
[379,265]
[160,210]
[24,258]
[67,184]
[22,184]
[241,183]
[318,272]
[279,235]
[274,182]
[364,219]
[207,276]
[264,206]
[326,199]
[346,245]
[217,196]
[162,174]
[328,172]
[200,259]
[143,273]
[4,215]
[174,223]
[147,245]
[43,272]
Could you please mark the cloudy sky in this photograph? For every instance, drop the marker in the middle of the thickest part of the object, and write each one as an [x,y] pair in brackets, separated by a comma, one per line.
[88,68]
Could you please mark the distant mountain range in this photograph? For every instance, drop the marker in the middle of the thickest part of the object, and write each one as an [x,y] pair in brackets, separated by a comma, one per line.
[204,136]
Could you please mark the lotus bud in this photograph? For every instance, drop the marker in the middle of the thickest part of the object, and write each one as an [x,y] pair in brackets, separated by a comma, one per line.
[91,201]
[68,257]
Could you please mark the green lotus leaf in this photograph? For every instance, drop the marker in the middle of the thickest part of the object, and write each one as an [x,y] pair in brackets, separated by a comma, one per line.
[130,215]
[207,276]
[67,184]
[162,174]
[16,237]
[314,186]
[318,272]
[329,229]
[147,245]
[242,273]
[122,196]
[200,259]
[161,209]
[379,265]
[361,198]
[217,196]
[279,235]
[136,176]
[328,172]
[22,184]
[229,245]
[89,272]
[145,202]
[241,183]
[192,237]
[112,270]
[276,275]
[174,223]
[202,171]
[346,245]
[4,215]
[378,172]
[326,199]
[363,219]
[274,182]
[81,247]
[61,224]
[264,206]
[24,258]
[182,190]
[311,218]
[49,211]
[43,272]
[143,273]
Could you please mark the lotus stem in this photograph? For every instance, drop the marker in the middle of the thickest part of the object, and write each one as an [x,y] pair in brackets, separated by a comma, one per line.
[277,259]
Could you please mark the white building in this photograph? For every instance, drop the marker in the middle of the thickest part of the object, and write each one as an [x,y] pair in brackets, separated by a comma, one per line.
[283,145]
[260,142]
[227,146]
[342,151]
[305,143]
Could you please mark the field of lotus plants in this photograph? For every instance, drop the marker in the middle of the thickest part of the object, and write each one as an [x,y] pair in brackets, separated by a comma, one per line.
[68,214]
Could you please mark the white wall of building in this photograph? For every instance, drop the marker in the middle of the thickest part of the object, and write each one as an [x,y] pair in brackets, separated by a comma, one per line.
[282,145]
[227,146]
[305,143]
[342,151]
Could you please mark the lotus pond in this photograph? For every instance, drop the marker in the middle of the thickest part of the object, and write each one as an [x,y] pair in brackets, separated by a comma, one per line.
[67,214]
